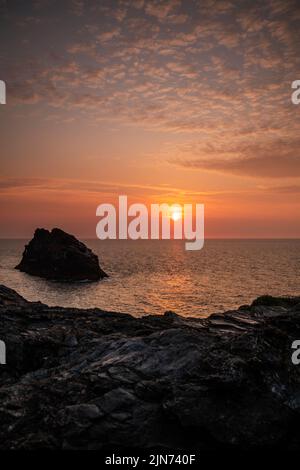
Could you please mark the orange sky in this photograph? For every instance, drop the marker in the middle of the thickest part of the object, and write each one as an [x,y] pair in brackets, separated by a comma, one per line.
[165,101]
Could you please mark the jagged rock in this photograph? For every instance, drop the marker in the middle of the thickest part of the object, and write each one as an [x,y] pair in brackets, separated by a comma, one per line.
[167,382]
[59,256]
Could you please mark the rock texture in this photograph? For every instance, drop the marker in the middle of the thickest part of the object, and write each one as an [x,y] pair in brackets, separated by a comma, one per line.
[89,379]
[59,256]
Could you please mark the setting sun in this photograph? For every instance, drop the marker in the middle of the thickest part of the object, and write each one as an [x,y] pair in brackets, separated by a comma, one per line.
[176,213]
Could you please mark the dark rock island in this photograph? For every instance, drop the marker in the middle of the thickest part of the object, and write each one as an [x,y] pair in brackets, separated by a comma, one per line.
[90,379]
[59,256]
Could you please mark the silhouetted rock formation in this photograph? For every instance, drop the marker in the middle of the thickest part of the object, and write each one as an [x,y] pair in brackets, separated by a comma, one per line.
[89,379]
[59,256]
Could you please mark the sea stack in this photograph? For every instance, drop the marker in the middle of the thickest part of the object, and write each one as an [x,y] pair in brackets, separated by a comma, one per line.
[59,256]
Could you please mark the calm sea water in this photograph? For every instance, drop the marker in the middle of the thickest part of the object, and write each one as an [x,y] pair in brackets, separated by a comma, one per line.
[155,276]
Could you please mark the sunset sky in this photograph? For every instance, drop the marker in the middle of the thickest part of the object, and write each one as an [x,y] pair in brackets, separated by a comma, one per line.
[165,101]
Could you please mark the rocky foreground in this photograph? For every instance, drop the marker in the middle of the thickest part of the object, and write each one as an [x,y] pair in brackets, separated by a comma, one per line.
[89,379]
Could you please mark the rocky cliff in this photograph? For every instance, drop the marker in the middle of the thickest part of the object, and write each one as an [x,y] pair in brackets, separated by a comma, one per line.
[89,379]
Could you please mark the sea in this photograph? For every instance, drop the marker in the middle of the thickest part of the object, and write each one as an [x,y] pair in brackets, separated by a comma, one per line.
[151,277]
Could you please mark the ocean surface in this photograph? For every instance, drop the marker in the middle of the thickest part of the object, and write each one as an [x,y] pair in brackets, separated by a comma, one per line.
[150,277]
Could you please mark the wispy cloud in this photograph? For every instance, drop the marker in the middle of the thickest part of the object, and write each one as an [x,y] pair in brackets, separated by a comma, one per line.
[276,159]
[266,166]
[206,83]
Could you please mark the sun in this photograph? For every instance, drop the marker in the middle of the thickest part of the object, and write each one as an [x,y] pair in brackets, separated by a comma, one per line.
[176,214]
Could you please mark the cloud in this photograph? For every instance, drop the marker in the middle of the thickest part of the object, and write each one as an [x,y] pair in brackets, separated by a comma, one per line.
[262,166]
[78,7]
[221,70]
[108,35]
[291,189]
[10,185]
[161,9]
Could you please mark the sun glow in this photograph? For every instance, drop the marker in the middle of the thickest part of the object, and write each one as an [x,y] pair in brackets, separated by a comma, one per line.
[176,213]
